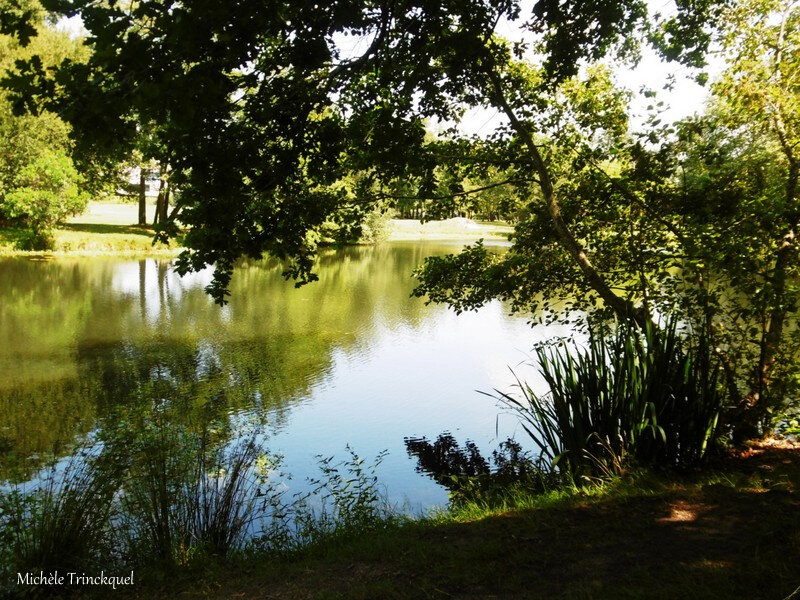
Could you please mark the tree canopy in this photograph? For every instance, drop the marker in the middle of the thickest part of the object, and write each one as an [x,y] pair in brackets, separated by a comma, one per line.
[279,118]
[263,114]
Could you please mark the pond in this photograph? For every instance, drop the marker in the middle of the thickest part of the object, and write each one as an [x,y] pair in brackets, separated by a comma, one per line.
[349,360]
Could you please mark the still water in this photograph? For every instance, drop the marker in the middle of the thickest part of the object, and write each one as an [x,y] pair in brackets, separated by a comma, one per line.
[349,360]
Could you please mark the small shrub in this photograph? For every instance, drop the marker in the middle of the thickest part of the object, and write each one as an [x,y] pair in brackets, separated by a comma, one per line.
[37,240]
[376,225]
[344,500]
[351,488]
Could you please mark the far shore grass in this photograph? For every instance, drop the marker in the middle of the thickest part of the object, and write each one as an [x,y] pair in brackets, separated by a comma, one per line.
[730,531]
[110,228]
[104,228]
[450,229]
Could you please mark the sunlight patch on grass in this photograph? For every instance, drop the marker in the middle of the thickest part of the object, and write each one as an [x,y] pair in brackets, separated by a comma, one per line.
[449,229]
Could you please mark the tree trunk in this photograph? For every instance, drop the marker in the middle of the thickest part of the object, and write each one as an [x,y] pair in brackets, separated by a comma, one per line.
[160,215]
[142,196]
[165,204]
[175,211]
[753,409]
[624,309]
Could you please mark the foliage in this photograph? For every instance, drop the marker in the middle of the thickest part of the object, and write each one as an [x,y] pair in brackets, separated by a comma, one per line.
[47,192]
[350,487]
[698,218]
[286,115]
[651,398]
[373,229]
[294,134]
[376,225]
[342,502]
[759,96]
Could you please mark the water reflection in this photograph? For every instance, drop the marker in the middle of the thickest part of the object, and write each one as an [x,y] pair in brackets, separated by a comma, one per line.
[91,342]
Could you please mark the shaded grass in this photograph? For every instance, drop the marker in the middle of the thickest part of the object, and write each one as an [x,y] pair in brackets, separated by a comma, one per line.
[730,532]
[105,228]
[108,239]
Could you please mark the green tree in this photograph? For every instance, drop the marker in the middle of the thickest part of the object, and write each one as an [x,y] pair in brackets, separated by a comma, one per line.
[263,118]
[47,191]
[760,94]
[38,183]
[263,115]
[731,186]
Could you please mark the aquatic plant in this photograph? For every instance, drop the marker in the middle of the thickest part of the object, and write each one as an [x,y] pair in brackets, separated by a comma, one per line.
[651,396]
[166,496]
[62,523]
[343,500]
[185,496]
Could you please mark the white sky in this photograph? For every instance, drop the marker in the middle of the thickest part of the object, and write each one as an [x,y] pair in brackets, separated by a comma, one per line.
[73,26]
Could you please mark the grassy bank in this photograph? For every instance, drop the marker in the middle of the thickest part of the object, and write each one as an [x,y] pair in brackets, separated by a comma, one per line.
[110,228]
[104,228]
[450,229]
[730,532]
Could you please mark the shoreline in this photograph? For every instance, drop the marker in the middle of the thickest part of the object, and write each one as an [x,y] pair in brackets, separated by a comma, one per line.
[722,532]
[106,229]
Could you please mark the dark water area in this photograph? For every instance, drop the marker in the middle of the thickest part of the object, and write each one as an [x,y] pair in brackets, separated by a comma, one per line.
[91,343]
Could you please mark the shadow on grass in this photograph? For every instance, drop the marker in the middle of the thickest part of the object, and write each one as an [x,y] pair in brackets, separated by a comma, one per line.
[103,228]
[729,545]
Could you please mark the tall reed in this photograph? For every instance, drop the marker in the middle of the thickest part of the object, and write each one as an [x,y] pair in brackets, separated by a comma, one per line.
[63,524]
[652,397]
[164,496]
[185,497]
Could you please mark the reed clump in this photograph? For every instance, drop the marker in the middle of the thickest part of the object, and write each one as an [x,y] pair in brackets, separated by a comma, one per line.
[166,497]
[652,397]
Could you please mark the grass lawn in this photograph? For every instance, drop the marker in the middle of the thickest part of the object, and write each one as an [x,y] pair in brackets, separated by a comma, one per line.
[105,228]
[730,532]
